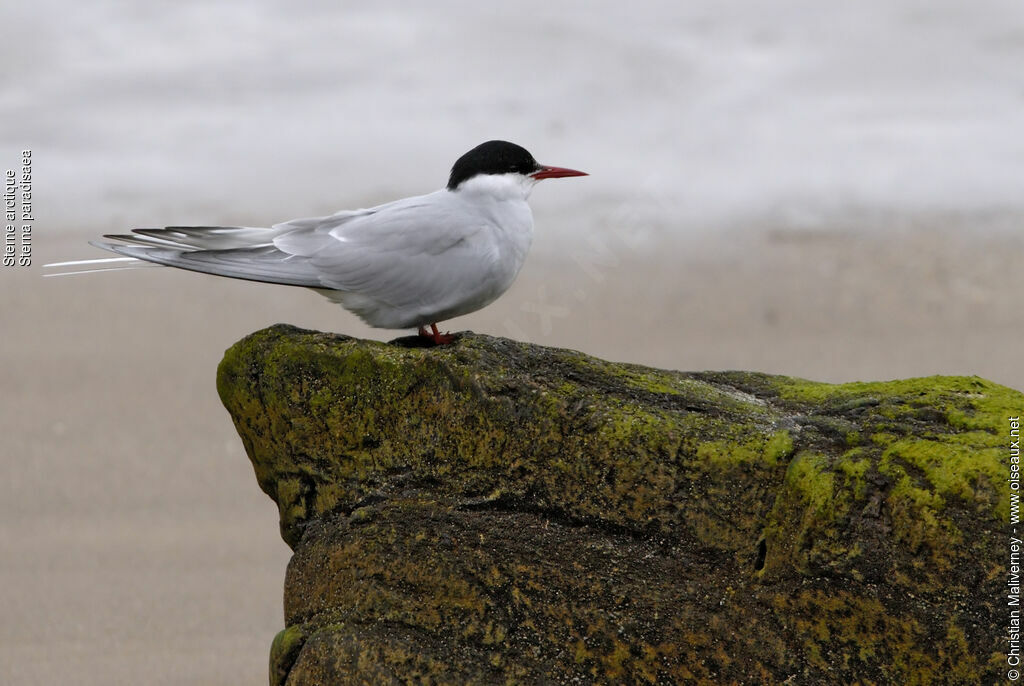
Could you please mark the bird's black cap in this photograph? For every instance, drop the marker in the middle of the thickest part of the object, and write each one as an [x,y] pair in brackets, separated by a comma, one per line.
[492,157]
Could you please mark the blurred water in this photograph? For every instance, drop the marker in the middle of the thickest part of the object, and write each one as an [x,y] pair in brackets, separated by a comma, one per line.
[688,115]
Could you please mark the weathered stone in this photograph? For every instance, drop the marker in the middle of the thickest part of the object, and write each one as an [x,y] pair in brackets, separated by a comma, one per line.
[493,511]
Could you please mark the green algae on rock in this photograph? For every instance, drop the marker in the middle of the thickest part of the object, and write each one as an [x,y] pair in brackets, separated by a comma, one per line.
[494,511]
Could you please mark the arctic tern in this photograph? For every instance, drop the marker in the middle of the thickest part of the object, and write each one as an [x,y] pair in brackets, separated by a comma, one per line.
[410,263]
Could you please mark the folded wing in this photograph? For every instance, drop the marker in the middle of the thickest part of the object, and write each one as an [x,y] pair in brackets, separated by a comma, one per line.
[403,254]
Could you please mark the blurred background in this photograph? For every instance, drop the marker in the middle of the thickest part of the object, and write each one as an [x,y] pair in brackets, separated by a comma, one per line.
[827,190]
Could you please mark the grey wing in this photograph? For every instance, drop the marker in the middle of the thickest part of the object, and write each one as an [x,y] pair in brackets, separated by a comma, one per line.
[407,254]
[267,264]
[404,254]
[232,251]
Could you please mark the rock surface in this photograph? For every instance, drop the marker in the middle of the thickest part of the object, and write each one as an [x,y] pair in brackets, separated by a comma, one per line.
[499,512]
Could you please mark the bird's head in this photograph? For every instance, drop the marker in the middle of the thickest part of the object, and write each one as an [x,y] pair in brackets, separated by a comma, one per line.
[500,163]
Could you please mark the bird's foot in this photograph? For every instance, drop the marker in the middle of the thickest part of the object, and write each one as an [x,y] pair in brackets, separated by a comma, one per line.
[434,335]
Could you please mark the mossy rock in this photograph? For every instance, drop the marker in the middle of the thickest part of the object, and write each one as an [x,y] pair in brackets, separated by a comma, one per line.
[499,512]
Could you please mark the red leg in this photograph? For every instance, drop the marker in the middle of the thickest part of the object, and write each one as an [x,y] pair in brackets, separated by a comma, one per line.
[437,337]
